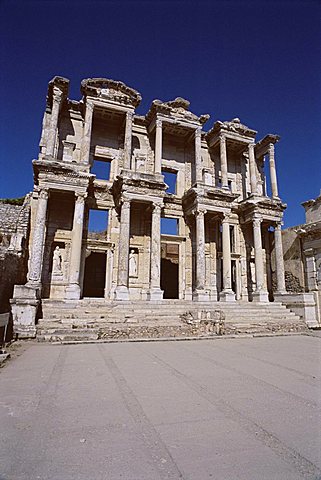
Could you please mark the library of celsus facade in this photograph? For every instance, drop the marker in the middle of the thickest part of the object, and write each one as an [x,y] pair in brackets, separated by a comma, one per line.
[128,207]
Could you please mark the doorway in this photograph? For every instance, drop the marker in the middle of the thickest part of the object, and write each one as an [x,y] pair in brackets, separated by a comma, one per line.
[95,275]
[169,278]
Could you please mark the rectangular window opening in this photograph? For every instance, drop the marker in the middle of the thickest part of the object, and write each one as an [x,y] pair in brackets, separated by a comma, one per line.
[98,223]
[170,178]
[169,226]
[101,168]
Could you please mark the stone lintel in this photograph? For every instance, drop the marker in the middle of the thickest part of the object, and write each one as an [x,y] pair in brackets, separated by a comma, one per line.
[262,146]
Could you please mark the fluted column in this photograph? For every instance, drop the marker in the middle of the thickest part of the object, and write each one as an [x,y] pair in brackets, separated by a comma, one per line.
[73,290]
[155,292]
[158,146]
[86,139]
[52,132]
[227,293]
[198,156]
[200,294]
[252,163]
[279,261]
[274,183]
[260,294]
[128,140]
[38,239]
[123,252]
[223,157]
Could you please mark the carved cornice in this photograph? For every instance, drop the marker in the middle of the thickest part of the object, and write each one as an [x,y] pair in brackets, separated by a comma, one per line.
[56,85]
[262,146]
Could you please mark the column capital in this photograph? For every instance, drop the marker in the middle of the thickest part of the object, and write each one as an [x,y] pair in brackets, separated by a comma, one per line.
[129,115]
[251,146]
[157,207]
[198,132]
[57,94]
[271,148]
[159,122]
[125,203]
[80,197]
[43,193]
[89,105]
[278,225]
[222,138]
[200,212]
[226,218]
[257,221]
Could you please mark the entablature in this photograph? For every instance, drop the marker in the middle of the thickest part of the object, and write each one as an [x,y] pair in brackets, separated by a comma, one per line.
[263,145]
[232,130]
[110,91]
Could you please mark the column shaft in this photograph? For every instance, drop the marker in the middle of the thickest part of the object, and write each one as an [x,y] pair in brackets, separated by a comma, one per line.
[223,157]
[200,250]
[155,292]
[227,293]
[73,289]
[279,262]
[158,146]
[86,139]
[253,178]
[123,252]
[38,238]
[198,156]
[260,293]
[226,252]
[128,140]
[274,183]
[52,133]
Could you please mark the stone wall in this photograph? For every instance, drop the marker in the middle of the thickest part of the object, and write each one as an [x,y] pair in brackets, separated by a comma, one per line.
[14,228]
[293,261]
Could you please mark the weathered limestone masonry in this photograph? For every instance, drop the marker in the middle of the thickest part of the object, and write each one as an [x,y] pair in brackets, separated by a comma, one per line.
[14,230]
[302,260]
[97,155]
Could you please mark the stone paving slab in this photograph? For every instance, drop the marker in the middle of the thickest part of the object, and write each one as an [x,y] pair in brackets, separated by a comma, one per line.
[243,409]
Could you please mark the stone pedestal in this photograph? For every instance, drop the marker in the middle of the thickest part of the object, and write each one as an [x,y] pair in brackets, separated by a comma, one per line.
[24,306]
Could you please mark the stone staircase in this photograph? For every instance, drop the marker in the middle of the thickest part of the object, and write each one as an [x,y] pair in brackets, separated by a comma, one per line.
[99,319]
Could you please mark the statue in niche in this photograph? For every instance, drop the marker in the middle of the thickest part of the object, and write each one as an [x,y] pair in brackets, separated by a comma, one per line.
[57,261]
[133,263]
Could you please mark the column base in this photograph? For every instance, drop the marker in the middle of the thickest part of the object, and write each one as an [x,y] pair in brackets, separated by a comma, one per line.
[72,292]
[121,293]
[155,294]
[24,307]
[227,296]
[200,295]
[260,296]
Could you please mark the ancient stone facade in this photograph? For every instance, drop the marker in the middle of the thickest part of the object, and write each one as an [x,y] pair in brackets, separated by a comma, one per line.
[223,224]
[302,259]
[14,230]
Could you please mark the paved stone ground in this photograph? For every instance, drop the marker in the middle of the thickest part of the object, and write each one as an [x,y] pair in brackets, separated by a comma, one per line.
[222,409]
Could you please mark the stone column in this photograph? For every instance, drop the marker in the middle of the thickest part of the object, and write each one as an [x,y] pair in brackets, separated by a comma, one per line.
[155,293]
[38,239]
[200,294]
[73,289]
[158,146]
[279,261]
[223,157]
[86,139]
[227,294]
[274,183]
[128,140]
[252,163]
[121,292]
[52,132]
[260,294]
[198,156]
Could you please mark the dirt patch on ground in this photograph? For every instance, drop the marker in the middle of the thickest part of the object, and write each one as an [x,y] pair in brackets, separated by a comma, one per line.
[16,349]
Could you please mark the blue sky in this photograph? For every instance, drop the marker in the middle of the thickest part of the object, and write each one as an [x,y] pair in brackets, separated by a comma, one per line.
[259,61]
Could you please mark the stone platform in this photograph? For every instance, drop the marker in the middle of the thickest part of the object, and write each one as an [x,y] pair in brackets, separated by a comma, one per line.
[95,319]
